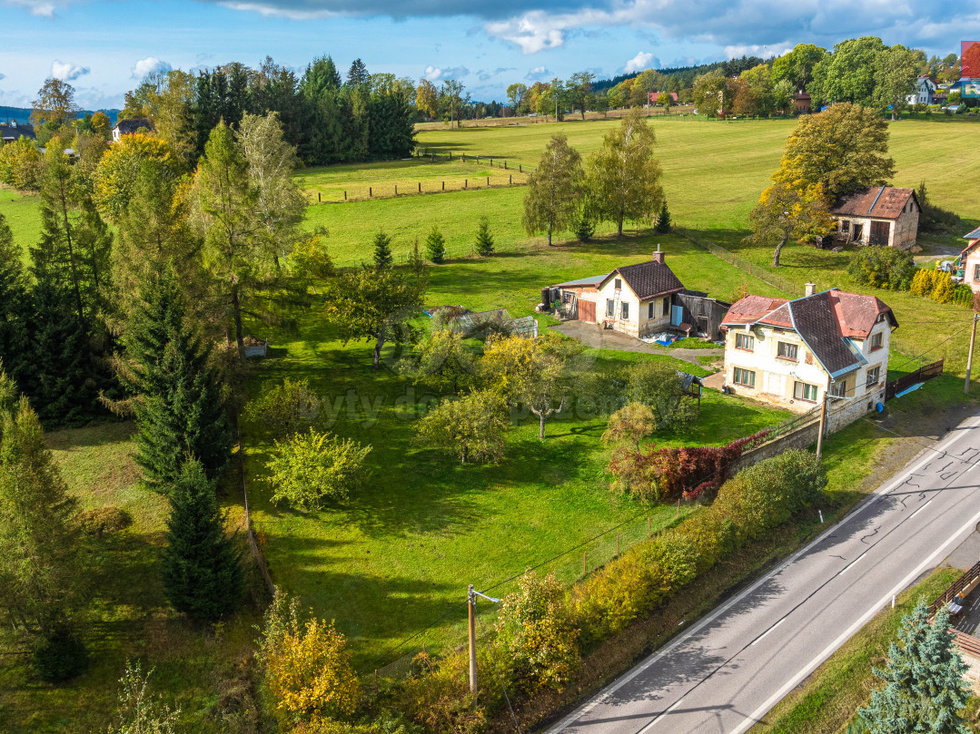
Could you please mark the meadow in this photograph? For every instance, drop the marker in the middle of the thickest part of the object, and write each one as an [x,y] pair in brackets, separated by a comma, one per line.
[391,566]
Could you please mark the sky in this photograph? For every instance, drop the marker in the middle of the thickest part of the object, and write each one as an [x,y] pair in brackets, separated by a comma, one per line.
[104,47]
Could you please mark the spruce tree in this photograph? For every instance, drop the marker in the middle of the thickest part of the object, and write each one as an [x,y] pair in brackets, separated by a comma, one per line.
[663,220]
[177,399]
[924,690]
[435,246]
[484,240]
[382,251]
[201,570]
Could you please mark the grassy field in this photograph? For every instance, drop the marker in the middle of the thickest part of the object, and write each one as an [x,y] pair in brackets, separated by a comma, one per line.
[829,699]
[23,215]
[403,178]
[127,616]
[425,526]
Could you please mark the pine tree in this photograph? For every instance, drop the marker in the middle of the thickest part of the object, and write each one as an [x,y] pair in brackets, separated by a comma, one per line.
[484,240]
[177,400]
[201,570]
[382,251]
[663,220]
[924,689]
[435,246]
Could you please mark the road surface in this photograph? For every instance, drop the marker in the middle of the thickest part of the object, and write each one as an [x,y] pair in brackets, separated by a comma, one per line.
[730,668]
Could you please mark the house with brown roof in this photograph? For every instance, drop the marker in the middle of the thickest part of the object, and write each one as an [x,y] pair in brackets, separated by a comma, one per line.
[793,353]
[638,300]
[970,260]
[882,215]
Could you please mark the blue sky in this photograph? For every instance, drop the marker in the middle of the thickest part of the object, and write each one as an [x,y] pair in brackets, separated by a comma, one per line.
[104,46]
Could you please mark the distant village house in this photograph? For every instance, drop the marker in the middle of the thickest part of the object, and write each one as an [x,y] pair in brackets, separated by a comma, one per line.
[14,131]
[129,127]
[883,215]
[925,88]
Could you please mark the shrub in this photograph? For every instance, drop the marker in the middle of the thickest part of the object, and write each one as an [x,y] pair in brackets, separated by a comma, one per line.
[59,655]
[584,225]
[630,425]
[484,240]
[712,534]
[538,634]
[923,282]
[306,666]
[660,387]
[943,288]
[138,711]
[309,469]
[882,267]
[103,520]
[438,697]
[435,246]
[285,409]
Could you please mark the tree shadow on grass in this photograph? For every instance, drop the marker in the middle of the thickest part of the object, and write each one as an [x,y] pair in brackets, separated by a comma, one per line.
[98,434]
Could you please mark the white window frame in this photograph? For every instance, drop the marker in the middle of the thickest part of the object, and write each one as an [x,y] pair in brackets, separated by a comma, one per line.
[873,372]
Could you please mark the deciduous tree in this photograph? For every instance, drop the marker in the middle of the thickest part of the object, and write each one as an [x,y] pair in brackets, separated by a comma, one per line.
[786,211]
[310,469]
[624,177]
[471,427]
[553,189]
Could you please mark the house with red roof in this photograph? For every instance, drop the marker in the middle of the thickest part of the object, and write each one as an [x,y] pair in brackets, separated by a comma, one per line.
[882,215]
[793,353]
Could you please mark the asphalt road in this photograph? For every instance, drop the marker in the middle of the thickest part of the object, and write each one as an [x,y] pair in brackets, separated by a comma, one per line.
[729,669]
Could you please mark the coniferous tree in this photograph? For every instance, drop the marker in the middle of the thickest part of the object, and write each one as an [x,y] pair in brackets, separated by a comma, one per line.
[201,569]
[38,541]
[484,240]
[176,397]
[15,306]
[663,220]
[924,690]
[382,251]
[435,246]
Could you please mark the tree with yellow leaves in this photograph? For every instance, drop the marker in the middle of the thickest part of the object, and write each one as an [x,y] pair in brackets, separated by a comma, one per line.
[306,665]
[789,210]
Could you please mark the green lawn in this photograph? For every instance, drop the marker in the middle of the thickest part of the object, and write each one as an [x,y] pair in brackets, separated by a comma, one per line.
[23,215]
[127,616]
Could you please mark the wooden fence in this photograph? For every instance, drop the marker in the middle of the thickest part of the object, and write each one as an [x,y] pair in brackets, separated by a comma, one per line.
[252,543]
[920,375]
[741,263]
[955,588]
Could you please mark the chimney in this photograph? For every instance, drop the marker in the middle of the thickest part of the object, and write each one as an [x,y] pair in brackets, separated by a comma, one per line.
[658,256]
[811,288]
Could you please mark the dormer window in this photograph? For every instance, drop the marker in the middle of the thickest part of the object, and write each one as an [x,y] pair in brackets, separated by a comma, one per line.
[877,341]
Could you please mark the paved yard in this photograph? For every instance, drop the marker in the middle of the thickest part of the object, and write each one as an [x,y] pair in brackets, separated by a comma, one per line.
[593,335]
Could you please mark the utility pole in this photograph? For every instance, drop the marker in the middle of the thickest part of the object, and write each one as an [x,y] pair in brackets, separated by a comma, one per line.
[823,423]
[969,359]
[471,595]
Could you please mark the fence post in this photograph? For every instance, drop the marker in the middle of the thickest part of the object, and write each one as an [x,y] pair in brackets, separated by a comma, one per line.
[585,562]
[420,187]
[466,183]
[345,194]
[396,189]
[370,192]
[488,180]
[520,168]
[510,178]
[450,155]
[443,185]
[318,199]
[505,165]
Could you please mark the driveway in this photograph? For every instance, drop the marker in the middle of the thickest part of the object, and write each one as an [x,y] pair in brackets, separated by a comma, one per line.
[593,335]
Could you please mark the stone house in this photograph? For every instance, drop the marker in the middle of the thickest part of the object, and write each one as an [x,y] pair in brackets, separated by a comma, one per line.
[794,353]
[883,215]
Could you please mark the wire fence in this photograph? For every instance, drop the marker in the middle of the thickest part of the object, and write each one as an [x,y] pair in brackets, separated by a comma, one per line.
[766,276]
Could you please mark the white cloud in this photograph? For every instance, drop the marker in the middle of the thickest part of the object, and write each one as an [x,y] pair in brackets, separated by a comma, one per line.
[640,62]
[44,8]
[754,49]
[67,71]
[268,10]
[436,74]
[149,65]
[533,32]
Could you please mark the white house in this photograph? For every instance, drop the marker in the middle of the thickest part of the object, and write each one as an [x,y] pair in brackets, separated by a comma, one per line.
[883,215]
[128,127]
[970,260]
[793,353]
[924,89]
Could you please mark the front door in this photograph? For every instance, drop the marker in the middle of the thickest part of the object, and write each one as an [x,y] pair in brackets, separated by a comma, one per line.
[879,233]
[586,311]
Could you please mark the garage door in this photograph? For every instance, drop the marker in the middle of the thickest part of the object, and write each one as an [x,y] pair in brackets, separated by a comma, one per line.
[586,311]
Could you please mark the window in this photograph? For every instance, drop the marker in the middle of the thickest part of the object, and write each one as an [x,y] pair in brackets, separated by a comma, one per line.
[650,310]
[845,225]
[804,391]
[666,306]
[785,350]
[877,341]
[618,284]
[610,308]
[626,310]
[744,377]
[744,341]
[976,272]
[838,389]
[873,374]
